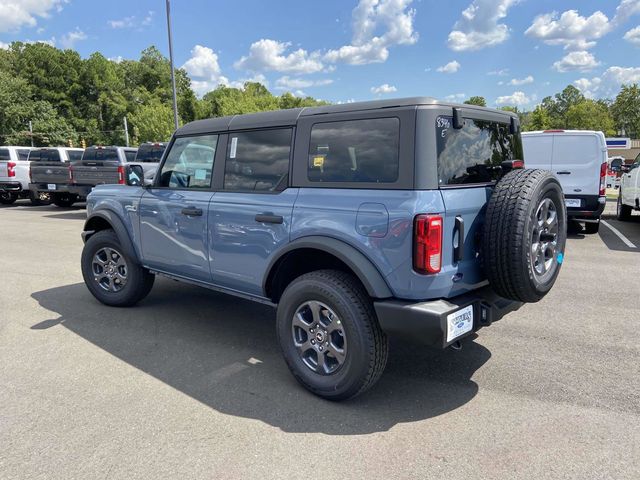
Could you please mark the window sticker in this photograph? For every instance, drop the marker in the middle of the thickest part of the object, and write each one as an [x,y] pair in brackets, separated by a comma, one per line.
[318,161]
[234,147]
[201,174]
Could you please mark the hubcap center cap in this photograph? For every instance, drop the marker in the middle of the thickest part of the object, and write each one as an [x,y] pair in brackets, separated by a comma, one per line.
[320,337]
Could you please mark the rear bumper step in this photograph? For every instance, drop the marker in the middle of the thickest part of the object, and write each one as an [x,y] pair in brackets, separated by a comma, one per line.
[426,322]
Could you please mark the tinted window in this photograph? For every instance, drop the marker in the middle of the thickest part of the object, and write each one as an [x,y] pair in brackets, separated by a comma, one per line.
[35,155]
[74,155]
[258,161]
[4,154]
[51,155]
[130,155]
[23,153]
[473,154]
[100,154]
[189,163]
[355,151]
[150,153]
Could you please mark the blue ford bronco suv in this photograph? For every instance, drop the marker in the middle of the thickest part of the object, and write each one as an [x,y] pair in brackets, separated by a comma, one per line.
[408,217]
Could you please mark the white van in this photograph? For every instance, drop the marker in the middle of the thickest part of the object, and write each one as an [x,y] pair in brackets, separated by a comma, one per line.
[579,159]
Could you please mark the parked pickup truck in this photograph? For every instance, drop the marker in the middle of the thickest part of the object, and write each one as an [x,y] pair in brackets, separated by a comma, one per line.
[408,217]
[98,166]
[629,196]
[50,173]
[14,174]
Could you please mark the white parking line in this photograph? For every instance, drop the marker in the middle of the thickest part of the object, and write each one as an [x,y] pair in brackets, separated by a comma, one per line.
[627,242]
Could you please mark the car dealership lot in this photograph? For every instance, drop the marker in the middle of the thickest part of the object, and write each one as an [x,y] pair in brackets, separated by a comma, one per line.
[191,383]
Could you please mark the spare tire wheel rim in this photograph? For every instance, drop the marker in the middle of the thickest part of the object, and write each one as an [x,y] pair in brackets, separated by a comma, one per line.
[109,269]
[319,337]
[544,238]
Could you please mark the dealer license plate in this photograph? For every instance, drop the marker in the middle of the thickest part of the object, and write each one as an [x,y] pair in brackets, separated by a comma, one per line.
[459,323]
[573,202]
[51,186]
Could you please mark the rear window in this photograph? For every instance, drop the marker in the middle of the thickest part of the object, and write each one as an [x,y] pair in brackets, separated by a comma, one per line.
[364,151]
[100,154]
[4,154]
[45,156]
[150,153]
[35,155]
[130,155]
[473,154]
[23,153]
[74,155]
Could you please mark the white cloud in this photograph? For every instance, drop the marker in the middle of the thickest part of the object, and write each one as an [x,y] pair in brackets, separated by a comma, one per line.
[383,89]
[288,83]
[14,14]
[69,40]
[515,99]
[479,25]
[608,84]
[393,19]
[581,61]
[455,97]
[451,67]
[576,32]
[116,59]
[132,21]
[4,46]
[521,81]
[204,70]
[633,36]
[148,19]
[266,54]
[500,73]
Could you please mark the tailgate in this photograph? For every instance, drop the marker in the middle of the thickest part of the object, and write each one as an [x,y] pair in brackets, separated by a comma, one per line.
[53,172]
[95,173]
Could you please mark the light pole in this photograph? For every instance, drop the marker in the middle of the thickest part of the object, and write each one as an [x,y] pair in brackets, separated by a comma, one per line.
[173,76]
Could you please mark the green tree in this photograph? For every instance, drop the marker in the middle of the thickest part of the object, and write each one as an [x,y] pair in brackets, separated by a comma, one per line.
[476,100]
[626,110]
[590,115]
[539,119]
[153,122]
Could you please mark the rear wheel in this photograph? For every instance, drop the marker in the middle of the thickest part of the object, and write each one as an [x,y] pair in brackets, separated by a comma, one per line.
[40,198]
[330,336]
[592,227]
[7,198]
[524,235]
[111,276]
[623,212]
[64,200]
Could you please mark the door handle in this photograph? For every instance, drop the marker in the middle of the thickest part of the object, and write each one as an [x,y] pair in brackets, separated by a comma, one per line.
[192,212]
[564,173]
[269,218]
[459,249]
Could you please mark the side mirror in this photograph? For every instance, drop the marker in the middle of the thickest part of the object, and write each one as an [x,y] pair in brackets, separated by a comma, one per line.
[458,120]
[134,175]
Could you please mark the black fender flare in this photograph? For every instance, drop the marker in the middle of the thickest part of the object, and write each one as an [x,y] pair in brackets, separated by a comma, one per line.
[118,227]
[363,268]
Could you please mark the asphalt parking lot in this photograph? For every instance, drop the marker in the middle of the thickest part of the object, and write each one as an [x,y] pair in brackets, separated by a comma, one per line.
[190,383]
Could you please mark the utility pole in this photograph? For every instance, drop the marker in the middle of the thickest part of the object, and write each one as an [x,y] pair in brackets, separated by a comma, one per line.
[126,132]
[173,76]
[31,132]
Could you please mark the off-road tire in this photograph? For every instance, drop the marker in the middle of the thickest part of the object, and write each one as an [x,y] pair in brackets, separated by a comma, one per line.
[510,224]
[40,198]
[139,280]
[591,228]
[64,200]
[366,355]
[7,198]
[623,212]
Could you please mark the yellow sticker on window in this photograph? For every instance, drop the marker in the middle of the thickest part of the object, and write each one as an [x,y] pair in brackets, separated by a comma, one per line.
[318,161]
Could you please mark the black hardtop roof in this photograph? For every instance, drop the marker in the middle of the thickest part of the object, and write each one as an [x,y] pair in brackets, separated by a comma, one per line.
[281,118]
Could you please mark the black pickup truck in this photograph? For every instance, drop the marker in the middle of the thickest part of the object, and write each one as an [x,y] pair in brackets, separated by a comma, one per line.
[49,172]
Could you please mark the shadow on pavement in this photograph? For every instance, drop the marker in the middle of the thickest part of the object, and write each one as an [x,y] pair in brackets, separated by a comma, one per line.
[223,352]
[70,214]
[630,229]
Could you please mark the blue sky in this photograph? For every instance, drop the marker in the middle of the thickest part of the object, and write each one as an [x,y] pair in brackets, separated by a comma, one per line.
[512,52]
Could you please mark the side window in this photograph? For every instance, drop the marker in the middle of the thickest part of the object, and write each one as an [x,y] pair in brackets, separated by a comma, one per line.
[4,154]
[130,155]
[23,154]
[365,151]
[258,160]
[189,163]
[473,154]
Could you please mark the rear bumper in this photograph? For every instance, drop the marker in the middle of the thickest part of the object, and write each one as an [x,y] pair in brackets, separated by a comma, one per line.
[426,322]
[591,209]
[44,187]
[80,190]
[11,187]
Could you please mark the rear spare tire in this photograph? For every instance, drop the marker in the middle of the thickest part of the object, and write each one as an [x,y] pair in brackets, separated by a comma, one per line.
[524,235]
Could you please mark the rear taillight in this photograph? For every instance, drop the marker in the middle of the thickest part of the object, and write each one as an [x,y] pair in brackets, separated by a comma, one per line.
[120,175]
[70,174]
[603,179]
[11,169]
[427,243]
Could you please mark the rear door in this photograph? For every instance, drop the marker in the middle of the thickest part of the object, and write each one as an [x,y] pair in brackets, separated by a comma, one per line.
[576,162]
[174,212]
[538,150]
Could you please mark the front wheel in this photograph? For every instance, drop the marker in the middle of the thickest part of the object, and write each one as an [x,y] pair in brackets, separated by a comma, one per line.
[330,336]
[623,212]
[111,276]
